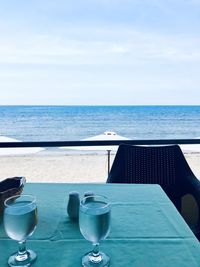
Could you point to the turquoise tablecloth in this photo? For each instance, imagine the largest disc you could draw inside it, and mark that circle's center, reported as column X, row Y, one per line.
column 146, row 229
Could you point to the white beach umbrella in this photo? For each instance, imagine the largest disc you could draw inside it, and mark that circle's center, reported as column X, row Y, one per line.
column 16, row 150
column 106, row 136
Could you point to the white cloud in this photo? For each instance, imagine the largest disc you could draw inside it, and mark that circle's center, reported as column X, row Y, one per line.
column 119, row 46
column 133, row 46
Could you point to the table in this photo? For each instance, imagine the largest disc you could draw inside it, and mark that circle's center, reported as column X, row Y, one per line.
column 146, row 229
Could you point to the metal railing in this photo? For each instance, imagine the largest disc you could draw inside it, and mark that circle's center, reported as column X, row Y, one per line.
column 99, row 143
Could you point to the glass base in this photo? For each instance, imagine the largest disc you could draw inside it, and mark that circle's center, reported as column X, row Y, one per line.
column 89, row 260
column 23, row 260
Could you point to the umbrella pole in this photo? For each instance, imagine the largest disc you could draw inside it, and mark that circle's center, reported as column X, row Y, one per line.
column 108, row 160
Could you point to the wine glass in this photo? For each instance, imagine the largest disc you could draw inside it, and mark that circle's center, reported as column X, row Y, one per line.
column 94, row 222
column 20, row 220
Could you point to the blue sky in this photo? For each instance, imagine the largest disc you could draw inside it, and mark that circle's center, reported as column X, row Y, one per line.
column 105, row 52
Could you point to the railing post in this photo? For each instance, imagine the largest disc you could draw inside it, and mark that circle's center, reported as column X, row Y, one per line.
column 108, row 160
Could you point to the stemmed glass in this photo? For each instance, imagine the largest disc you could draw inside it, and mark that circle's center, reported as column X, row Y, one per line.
column 20, row 220
column 94, row 222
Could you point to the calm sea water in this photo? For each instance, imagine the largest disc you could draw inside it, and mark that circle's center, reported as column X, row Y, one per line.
column 55, row 123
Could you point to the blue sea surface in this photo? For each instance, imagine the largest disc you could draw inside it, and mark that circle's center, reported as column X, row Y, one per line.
column 63, row 123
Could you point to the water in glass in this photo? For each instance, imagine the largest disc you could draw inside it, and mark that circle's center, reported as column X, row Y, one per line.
column 94, row 222
column 20, row 220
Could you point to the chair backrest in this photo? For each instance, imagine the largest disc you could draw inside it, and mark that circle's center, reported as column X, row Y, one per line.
column 164, row 165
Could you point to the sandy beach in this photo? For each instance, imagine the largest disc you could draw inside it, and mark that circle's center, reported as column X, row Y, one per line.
column 56, row 168
column 67, row 168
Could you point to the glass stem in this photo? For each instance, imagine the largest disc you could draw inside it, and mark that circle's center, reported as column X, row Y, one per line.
column 22, row 247
column 22, row 254
column 95, row 250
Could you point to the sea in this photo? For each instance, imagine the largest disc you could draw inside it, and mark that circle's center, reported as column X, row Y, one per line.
column 66, row 123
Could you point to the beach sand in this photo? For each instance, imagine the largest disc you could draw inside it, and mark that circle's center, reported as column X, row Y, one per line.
column 64, row 168
column 56, row 168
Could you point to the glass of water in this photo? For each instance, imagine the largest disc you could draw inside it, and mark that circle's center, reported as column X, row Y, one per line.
column 20, row 220
column 94, row 222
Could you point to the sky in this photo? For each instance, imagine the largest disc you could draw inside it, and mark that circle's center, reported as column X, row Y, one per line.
column 100, row 52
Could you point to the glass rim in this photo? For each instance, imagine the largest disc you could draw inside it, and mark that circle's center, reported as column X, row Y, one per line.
column 17, row 197
column 107, row 204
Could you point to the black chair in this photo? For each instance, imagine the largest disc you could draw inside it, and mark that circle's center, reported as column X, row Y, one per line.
column 163, row 165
